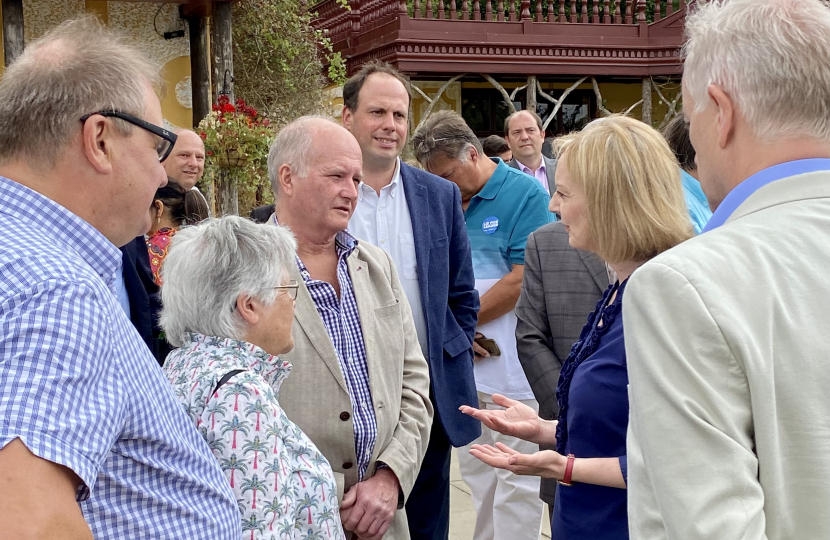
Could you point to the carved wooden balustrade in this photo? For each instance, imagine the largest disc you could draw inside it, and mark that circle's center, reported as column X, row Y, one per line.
column 569, row 37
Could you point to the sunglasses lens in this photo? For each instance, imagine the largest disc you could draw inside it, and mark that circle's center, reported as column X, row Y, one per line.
column 162, row 148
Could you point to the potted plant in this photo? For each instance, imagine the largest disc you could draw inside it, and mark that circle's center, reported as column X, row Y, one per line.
column 237, row 139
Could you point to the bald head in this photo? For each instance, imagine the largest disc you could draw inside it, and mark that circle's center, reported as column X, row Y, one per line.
column 315, row 166
column 186, row 163
column 73, row 70
column 301, row 143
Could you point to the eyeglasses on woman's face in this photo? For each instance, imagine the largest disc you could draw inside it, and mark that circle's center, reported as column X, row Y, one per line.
column 166, row 139
column 290, row 289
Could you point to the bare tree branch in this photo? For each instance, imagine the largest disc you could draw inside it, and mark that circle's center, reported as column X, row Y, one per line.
column 426, row 97
column 436, row 99
column 544, row 94
column 672, row 106
column 561, row 101
column 501, row 89
column 628, row 110
column 600, row 106
column 531, row 93
column 516, row 91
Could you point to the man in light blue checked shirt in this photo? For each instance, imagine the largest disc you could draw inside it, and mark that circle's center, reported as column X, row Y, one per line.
column 93, row 443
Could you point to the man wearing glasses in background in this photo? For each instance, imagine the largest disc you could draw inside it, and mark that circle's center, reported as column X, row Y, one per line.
column 93, row 442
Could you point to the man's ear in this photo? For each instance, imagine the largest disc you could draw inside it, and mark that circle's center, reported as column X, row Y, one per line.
column 286, row 178
column 726, row 114
column 474, row 155
column 246, row 309
column 97, row 138
column 346, row 118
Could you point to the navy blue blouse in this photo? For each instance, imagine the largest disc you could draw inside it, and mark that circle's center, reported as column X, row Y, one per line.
column 593, row 419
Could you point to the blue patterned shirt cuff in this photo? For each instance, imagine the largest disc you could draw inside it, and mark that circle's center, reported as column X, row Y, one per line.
column 624, row 468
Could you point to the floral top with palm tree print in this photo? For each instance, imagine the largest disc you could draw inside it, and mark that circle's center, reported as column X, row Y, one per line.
column 284, row 486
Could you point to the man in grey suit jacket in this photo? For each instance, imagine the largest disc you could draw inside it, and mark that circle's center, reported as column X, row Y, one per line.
column 359, row 387
column 726, row 334
column 561, row 286
column 525, row 137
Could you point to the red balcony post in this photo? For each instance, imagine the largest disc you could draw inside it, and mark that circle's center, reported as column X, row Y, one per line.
column 562, row 11
column 501, row 10
column 629, row 18
column 488, row 10
column 606, row 13
column 512, row 11
column 573, row 11
column 354, row 16
column 669, row 7
column 525, row 10
column 465, row 10
column 441, row 13
column 539, row 11
column 584, row 15
column 429, row 9
column 453, row 11
column 641, row 11
column 477, row 10
column 657, row 15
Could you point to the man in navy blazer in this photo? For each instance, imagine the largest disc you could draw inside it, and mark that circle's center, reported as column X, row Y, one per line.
column 417, row 218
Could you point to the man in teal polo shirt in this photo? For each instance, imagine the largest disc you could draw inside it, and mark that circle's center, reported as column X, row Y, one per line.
column 502, row 206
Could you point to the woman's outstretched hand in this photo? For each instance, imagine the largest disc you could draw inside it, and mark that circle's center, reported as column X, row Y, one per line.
column 516, row 420
column 547, row 463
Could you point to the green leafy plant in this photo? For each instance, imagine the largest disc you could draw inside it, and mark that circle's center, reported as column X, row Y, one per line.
column 279, row 58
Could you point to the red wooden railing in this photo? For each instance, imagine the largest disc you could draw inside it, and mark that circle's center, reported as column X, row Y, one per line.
column 372, row 25
column 368, row 14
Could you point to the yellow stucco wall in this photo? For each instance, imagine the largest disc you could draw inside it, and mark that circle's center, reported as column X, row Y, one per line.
column 135, row 19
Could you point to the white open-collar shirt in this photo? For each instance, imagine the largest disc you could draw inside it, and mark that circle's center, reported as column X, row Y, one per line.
column 383, row 219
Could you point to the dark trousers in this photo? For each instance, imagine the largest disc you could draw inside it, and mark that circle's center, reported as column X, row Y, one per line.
column 428, row 506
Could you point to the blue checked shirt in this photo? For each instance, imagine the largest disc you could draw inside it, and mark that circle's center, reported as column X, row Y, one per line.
column 342, row 323
column 79, row 388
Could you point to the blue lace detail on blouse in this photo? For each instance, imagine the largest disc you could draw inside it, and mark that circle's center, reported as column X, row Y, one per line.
column 587, row 344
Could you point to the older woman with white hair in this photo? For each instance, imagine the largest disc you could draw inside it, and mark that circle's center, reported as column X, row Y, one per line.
column 229, row 307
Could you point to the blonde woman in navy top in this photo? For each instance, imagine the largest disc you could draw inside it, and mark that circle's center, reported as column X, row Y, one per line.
column 619, row 196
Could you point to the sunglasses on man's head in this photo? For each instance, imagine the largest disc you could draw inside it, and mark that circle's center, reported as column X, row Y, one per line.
column 166, row 141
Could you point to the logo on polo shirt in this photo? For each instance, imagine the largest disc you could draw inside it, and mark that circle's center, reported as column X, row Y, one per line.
column 490, row 224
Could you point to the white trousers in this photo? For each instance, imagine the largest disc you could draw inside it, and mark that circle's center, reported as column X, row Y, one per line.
column 507, row 505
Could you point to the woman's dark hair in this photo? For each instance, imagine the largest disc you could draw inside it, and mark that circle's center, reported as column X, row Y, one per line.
column 677, row 135
column 186, row 206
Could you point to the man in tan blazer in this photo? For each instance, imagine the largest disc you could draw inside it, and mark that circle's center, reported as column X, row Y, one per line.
column 727, row 334
column 359, row 386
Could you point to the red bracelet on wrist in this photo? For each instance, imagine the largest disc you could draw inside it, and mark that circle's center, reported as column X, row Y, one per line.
column 569, row 469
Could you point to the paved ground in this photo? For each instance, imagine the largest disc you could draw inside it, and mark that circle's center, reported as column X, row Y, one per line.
column 462, row 515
